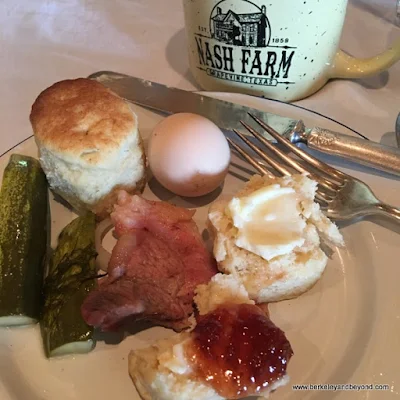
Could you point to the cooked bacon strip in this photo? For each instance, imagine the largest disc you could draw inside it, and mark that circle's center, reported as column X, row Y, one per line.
column 154, row 268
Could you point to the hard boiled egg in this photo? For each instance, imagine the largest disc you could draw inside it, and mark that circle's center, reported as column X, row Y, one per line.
column 188, row 154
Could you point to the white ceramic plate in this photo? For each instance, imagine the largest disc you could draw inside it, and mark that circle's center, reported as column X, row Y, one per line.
column 345, row 330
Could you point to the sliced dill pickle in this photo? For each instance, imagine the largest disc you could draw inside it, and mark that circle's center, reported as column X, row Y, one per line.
column 71, row 276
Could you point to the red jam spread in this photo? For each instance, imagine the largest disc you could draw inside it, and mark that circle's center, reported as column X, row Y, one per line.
column 238, row 350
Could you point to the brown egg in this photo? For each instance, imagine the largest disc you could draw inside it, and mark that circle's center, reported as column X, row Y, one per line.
column 188, row 154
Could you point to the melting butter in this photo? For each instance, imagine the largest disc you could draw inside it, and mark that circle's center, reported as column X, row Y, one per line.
column 268, row 220
column 175, row 359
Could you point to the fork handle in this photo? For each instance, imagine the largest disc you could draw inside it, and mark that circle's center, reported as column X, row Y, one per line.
column 365, row 152
column 385, row 210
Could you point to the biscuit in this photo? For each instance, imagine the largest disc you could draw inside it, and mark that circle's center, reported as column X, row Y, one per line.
column 89, row 144
column 285, row 276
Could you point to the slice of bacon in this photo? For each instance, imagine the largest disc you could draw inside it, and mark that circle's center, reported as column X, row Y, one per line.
column 154, row 268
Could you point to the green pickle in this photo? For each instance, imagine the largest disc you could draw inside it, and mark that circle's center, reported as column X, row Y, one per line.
column 71, row 276
column 23, row 240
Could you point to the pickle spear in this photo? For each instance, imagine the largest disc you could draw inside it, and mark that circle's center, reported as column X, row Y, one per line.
column 23, row 240
column 71, row 276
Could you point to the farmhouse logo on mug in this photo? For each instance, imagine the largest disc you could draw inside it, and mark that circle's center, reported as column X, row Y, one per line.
column 280, row 49
column 238, row 46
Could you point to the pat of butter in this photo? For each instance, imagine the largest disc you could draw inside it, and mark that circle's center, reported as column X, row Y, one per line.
column 268, row 220
column 175, row 360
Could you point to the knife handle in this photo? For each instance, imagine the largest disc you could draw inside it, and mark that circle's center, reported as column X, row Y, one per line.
column 365, row 152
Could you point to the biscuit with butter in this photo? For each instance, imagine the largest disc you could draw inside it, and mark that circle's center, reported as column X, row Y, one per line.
column 89, row 144
column 268, row 237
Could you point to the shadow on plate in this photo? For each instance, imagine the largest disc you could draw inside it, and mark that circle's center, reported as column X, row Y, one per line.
column 131, row 328
column 385, row 223
column 16, row 387
column 389, row 139
column 58, row 199
column 243, row 173
column 188, row 202
column 378, row 220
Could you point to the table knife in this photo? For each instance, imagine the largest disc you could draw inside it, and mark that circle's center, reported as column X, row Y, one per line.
column 228, row 115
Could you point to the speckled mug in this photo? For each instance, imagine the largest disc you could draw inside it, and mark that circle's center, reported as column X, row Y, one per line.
column 280, row 49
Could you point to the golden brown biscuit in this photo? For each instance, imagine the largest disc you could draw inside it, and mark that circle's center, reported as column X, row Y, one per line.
column 89, row 143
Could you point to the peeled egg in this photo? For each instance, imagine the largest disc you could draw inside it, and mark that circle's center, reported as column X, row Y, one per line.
column 188, row 154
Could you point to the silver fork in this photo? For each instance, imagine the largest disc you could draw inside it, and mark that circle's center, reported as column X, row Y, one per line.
column 341, row 196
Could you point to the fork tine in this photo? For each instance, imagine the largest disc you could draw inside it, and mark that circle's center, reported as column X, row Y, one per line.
column 330, row 186
column 322, row 198
column 249, row 159
column 323, row 205
column 317, row 164
column 280, row 168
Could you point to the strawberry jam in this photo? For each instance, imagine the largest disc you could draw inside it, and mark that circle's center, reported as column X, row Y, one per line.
column 238, row 350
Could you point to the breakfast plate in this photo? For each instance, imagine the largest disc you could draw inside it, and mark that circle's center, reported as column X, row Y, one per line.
column 343, row 331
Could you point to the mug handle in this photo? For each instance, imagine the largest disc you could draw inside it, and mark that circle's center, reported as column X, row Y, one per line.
column 346, row 66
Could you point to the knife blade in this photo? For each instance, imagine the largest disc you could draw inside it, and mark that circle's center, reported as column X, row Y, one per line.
column 228, row 115
column 171, row 100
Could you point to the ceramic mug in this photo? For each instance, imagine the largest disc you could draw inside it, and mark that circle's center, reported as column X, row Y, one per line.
column 280, row 49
